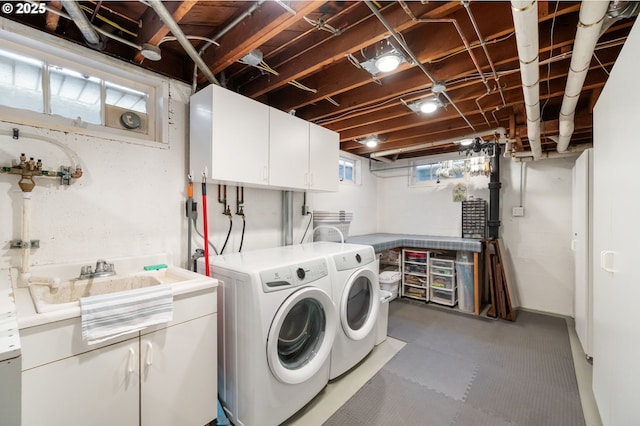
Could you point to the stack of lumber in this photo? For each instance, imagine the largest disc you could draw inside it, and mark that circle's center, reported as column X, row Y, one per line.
column 498, row 281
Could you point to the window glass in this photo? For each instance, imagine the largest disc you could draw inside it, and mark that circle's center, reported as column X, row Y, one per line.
column 75, row 95
column 346, row 170
column 126, row 98
column 20, row 82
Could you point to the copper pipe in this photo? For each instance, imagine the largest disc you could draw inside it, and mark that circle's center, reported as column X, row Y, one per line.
column 51, row 19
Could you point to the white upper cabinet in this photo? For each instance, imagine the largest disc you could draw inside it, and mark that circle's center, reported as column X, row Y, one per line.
column 288, row 150
column 243, row 142
column 324, row 148
column 229, row 136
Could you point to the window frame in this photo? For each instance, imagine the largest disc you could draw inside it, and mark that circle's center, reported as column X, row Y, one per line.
column 59, row 53
column 357, row 169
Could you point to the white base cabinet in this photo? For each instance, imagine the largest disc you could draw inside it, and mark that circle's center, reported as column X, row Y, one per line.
column 164, row 375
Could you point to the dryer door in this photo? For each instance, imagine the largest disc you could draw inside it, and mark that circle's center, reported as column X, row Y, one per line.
column 301, row 335
column 359, row 304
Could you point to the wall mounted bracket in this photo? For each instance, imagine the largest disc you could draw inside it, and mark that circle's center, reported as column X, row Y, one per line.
column 19, row 244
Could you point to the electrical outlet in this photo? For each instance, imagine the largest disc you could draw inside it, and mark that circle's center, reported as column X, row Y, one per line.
column 517, row 212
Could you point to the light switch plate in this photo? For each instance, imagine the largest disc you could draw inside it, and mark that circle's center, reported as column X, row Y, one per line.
column 517, row 212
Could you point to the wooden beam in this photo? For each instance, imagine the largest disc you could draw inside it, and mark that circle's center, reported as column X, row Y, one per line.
column 262, row 25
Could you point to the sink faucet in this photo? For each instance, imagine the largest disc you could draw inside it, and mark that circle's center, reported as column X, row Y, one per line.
column 103, row 269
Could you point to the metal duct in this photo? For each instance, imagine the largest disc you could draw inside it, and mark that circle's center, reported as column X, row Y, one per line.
column 168, row 20
column 592, row 15
column 82, row 22
column 525, row 20
column 287, row 218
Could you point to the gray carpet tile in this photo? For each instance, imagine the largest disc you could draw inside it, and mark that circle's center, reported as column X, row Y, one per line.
column 524, row 401
column 388, row 399
column 471, row 416
column 438, row 371
column 485, row 372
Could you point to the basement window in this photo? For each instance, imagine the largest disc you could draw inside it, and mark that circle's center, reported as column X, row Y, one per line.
column 349, row 170
column 434, row 172
column 38, row 87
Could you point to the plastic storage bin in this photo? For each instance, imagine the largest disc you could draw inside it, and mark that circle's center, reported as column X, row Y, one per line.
column 389, row 281
column 464, row 275
column 383, row 316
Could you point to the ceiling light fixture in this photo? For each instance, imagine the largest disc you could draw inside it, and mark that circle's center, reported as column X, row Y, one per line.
column 151, row 52
column 426, row 106
column 466, row 142
column 388, row 62
column 369, row 141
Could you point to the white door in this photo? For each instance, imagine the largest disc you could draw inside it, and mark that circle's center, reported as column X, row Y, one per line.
column 580, row 243
column 98, row 388
column 359, row 304
column 301, row 335
column 178, row 374
column 616, row 370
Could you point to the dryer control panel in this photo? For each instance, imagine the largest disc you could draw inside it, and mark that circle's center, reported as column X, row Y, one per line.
column 293, row 275
column 354, row 259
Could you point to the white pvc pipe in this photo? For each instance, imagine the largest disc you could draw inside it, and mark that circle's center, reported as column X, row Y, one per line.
column 592, row 15
column 525, row 20
column 26, row 238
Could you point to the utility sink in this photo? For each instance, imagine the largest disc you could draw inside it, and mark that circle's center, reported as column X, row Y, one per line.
column 66, row 294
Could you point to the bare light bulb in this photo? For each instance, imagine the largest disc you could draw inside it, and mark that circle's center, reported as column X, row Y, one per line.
column 387, row 62
column 428, row 107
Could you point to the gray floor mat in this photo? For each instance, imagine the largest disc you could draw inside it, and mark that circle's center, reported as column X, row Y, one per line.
column 438, row 371
column 461, row 370
column 391, row 400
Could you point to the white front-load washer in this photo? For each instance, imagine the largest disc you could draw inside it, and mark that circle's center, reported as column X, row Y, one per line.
column 356, row 294
column 276, row 328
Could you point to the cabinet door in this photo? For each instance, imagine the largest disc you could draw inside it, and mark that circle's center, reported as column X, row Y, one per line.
column 179, row 374
column 98, row 388
column 324, row 148
column 229, row 136
column 288, row 150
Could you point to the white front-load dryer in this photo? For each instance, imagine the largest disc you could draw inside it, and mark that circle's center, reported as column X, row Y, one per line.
column 356, row 294
column 276, row 328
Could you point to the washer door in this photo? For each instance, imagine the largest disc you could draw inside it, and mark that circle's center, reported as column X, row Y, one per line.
column 359, row 304
column 301, row 335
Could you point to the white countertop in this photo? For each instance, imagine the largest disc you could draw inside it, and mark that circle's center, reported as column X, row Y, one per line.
column 27, row 316
column 9, row 336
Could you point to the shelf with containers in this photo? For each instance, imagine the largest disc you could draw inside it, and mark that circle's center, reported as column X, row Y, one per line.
column 415, row 274
column 442, row 281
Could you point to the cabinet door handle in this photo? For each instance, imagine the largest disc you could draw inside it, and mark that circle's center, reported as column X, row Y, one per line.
column 603, row 260
column 310, row 179
column 132, row 361
column 149, row 360
column 265, row 173
column 306, row 179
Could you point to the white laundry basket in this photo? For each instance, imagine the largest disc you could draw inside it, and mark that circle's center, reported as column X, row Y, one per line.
column 389, row 281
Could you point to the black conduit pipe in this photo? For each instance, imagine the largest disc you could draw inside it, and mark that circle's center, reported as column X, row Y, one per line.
column 494, row 194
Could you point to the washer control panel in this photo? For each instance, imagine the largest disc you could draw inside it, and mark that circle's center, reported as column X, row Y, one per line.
column 354, row 259
column 293, row 275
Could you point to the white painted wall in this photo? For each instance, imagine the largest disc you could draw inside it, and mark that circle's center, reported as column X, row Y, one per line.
column 538, row 245
column 428, row 209
column 361, row 199
column 128, row 202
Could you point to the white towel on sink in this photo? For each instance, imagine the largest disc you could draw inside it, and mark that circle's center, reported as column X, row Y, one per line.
column 107, row 316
